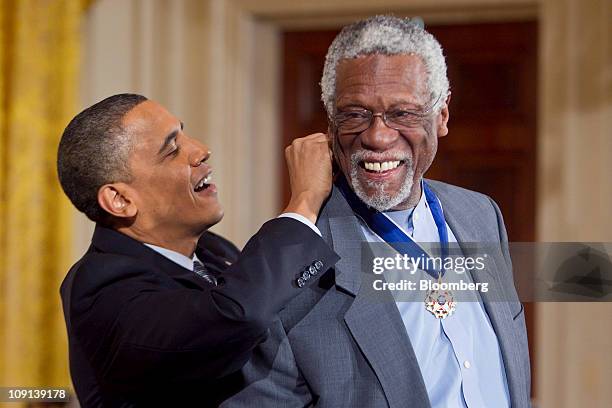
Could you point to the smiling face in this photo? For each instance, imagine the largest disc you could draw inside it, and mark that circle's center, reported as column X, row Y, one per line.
column 383, row 165
column 170, row 187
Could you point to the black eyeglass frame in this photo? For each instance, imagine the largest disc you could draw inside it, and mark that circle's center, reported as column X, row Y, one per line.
column 413, row 119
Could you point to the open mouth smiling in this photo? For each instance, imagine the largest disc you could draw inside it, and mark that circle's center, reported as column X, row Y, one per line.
column 380, row 167
column 204, row 183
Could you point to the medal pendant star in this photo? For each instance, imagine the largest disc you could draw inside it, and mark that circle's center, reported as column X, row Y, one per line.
column 440, row 303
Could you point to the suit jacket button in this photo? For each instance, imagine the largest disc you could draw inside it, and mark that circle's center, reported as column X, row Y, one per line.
column 318, row 265
column 313, row 270
column 305, row 275
column 300, row 282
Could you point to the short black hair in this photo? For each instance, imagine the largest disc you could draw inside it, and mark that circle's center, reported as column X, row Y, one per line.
column 94, row 151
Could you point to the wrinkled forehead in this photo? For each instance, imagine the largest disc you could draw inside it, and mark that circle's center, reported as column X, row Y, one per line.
column 381, row 63
column 395, row 78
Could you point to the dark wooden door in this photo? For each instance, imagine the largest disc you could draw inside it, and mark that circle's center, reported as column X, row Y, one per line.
column 491, row 146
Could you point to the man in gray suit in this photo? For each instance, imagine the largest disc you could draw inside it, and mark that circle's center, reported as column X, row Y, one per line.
column 349, row 341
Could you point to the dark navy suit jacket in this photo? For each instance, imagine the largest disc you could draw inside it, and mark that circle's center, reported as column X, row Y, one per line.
column 144, row 331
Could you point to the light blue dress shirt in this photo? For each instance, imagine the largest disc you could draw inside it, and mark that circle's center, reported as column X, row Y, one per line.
column 175, row 257
column 459, row 357
column 302, row 219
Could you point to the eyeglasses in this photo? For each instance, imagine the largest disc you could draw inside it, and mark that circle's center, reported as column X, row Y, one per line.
column 359, row 120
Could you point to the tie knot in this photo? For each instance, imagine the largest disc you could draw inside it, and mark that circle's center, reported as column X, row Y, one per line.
column 200, row 270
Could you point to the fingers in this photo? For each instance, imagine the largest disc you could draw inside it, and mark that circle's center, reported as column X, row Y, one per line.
column 310, row 173
column 315, row 139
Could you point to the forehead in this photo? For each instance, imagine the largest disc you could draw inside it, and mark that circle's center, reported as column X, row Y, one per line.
column 381, row 78
column 149, row 122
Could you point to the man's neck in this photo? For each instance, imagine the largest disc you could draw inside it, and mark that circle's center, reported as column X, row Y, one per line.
column 412, row 200
column 184, row 245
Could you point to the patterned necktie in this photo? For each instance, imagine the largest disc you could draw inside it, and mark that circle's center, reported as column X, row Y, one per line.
column 200, row 269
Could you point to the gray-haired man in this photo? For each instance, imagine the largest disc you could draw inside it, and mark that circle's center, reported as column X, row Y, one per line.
column 386, row 93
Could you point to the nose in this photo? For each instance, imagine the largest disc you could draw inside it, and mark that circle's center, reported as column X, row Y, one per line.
column 378, row 137
column 198, row 153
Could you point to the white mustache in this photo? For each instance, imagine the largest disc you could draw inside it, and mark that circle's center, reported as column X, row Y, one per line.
column 364, row 155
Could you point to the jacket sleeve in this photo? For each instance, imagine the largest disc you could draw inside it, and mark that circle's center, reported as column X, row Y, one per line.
column 136, row 328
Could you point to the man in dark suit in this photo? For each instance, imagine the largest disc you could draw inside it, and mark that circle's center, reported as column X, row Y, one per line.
column 159, row 311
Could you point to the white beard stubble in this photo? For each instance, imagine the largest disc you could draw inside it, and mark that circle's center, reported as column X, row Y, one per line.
column 381, row 199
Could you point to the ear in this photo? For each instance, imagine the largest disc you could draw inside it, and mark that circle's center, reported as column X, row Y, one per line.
column 335, row 148
column 332, row 147
column 116, row 200
column 443, row 118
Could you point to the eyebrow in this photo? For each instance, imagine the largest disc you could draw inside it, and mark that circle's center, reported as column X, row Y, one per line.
column 168, row 140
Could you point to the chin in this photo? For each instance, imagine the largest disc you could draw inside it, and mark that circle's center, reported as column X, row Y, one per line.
column 214, row 218
column 207, row 219
column 219, row 216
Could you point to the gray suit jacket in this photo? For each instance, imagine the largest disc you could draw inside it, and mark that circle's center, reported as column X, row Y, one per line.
column 337, row 346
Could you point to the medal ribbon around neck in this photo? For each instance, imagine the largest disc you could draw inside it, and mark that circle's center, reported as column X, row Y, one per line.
column 439, row 302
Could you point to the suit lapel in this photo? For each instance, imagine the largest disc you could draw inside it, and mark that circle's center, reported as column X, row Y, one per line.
column 498, row 310
column 373, row 318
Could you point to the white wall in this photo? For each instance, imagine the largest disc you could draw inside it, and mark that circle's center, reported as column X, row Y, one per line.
column 212, row 67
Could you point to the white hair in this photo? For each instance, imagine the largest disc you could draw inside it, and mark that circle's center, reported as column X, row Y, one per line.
column 386, row 35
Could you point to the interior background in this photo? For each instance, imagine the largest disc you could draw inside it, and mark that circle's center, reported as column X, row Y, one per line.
column 217, row 64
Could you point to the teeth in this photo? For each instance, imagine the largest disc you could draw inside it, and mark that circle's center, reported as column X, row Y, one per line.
column 205, row 180
column 380, row 167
